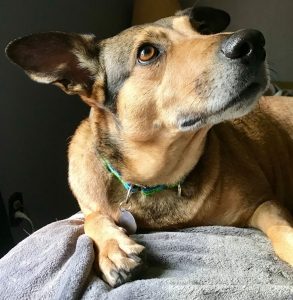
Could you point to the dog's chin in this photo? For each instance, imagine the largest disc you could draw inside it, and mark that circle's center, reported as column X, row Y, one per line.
column 236, row 107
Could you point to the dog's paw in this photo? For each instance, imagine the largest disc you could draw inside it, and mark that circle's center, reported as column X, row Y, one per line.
column 282, row 241
column 119, row 260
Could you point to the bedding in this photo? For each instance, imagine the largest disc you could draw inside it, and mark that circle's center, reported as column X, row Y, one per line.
column 212, row 262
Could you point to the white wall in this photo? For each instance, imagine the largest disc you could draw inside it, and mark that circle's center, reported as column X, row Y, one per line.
column 273, row 17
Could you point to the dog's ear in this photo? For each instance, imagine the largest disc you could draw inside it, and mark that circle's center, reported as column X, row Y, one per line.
column 206, row 20
column 68, row 60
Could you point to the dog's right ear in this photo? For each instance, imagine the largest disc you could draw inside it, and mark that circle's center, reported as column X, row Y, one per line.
column 206, row 20
column 68, row 60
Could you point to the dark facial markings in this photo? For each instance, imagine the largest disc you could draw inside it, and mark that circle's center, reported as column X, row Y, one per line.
column 120, row 57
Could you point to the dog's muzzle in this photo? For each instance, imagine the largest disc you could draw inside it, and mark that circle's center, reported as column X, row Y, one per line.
column 238, row 81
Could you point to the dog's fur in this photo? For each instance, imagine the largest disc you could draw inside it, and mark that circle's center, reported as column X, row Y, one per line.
column 166, row 122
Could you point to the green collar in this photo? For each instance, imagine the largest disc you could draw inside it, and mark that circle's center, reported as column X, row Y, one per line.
column 133, row 188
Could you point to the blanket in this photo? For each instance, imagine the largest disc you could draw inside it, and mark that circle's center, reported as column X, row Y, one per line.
column 196, row 263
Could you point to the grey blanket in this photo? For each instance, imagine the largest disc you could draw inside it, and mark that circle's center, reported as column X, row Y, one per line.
column 198, row 263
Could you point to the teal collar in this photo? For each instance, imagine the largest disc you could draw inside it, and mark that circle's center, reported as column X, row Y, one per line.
column 133, row 188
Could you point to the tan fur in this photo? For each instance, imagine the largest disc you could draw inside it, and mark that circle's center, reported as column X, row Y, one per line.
column 276, row 223
column 183, row 26
column 116, row 250
column 227, row 193
column 237, row 172
column 147, row 114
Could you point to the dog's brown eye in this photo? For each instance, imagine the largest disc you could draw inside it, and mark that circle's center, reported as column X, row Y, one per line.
column 147, row 53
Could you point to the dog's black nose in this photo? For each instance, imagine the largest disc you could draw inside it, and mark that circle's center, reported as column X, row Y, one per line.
column 245, row 45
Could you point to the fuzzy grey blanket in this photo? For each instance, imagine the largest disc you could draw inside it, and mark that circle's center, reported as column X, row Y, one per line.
column 198, row 263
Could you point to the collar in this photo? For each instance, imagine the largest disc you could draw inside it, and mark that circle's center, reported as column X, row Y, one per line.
column 133, row 188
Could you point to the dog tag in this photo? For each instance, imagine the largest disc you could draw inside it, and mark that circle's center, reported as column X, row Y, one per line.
column 127, row 221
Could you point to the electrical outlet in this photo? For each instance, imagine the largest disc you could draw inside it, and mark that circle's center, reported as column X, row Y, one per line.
column 15, row 203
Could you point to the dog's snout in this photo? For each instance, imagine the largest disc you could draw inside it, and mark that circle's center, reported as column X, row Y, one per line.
column 245, row 45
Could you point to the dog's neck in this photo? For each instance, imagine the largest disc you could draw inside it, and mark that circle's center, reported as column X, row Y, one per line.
column 164, row 157
column 164, row 160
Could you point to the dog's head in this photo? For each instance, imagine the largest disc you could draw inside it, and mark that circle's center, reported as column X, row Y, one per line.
column 179, row 73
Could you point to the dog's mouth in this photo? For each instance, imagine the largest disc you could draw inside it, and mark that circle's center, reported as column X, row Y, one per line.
column 245, row 98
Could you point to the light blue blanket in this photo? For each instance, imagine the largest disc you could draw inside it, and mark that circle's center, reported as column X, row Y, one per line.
column 197, row 263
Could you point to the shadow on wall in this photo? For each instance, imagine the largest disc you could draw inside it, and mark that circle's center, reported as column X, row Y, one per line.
column 37, row 120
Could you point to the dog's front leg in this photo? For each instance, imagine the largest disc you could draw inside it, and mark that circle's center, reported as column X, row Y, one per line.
column 276, row 222
column 117, row 255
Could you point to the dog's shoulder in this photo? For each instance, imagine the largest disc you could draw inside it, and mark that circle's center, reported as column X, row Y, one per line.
column 279, row 108
column 82, row 138
column 270, row 112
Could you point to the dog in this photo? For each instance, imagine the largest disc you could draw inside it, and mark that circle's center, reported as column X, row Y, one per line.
column 178, row 133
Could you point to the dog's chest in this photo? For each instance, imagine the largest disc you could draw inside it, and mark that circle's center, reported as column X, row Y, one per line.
column 166, row 210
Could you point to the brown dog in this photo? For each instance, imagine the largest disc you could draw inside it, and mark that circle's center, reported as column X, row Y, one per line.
column 161, row 98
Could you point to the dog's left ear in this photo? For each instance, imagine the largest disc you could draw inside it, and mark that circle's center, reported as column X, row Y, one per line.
column 206, row 20
column 68, row 60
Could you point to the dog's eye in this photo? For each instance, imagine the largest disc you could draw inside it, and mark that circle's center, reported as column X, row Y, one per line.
column 147, row 53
